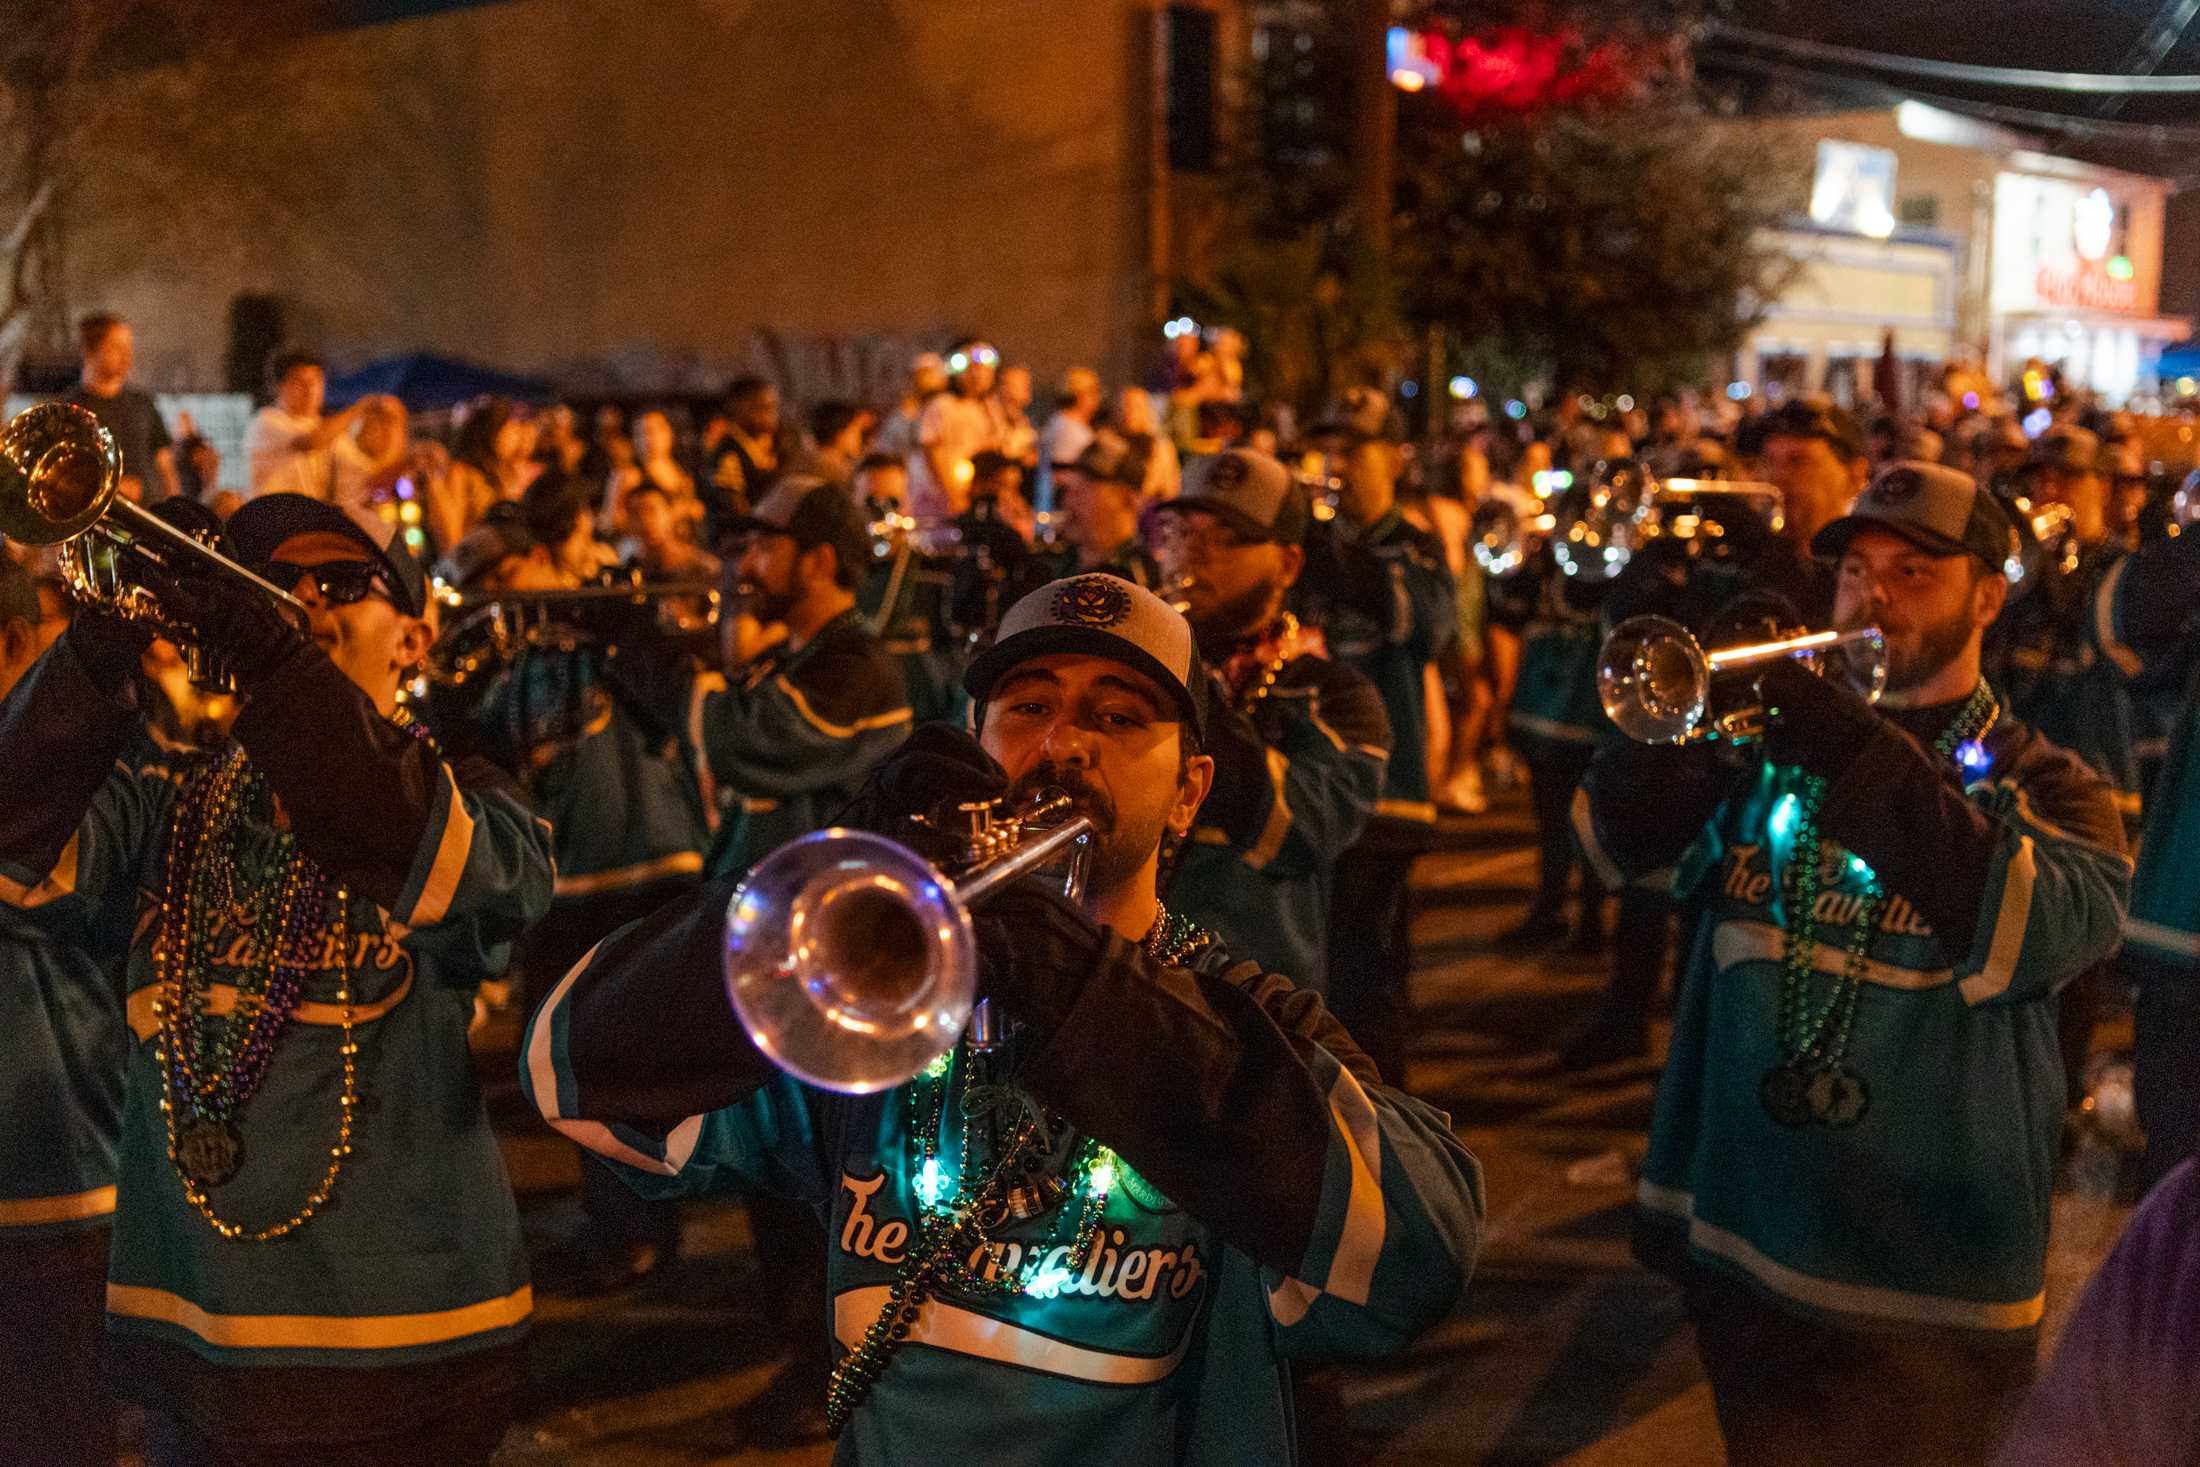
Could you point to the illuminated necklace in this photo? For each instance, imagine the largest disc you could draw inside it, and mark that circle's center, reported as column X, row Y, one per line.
column 956, row 1218
column 210, row 1071
column 1812, row 1081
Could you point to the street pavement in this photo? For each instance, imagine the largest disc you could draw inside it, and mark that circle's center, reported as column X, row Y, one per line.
column 1565, row 1352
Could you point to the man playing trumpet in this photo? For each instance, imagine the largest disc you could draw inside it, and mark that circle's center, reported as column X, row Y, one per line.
column 316, row 1253
column 1855, row 1134
column 1183, row 1174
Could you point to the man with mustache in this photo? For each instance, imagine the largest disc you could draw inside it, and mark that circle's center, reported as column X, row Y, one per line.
column 1855, row 1134
column 1300, row 742
column 1201, row 1175
column 812, row 699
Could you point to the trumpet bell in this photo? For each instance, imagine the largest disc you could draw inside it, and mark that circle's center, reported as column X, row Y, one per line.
column 1653, row 680
column 850, row 960
column 58, row 469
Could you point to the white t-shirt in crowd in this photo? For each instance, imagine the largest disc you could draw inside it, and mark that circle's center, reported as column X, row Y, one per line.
column 1060, row 442
column 961, row 428
column 349, row 471
column 275, row 465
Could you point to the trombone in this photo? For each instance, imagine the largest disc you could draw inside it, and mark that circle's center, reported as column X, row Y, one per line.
column 60, row 473
column 1658, row 684
column 850, row 959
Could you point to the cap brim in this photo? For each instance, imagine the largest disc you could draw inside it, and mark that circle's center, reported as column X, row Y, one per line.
column 749, row 524
column 259, row 528
column 1833, row 541
column 1237, row 519
column 988, row 666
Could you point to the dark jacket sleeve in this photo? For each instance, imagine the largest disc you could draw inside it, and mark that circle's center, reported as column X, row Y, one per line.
column 60, row 736
column 378, row 809
column 1642, row 805
column 640, row 1034
column 1296, row 781
column 1241, row 1098
column 2024, row 878
column 2148, row 602
column 816, row 727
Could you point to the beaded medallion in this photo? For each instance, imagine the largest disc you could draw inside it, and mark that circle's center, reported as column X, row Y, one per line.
column 212, row 1065
column 1812, row 1083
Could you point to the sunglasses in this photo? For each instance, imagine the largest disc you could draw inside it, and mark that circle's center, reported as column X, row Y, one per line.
column 340, row 582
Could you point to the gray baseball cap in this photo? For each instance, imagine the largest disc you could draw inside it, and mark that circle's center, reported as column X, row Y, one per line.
column 1934, row 507
column 1111, row 459
column 811, row 512
column 1250, row 490
column 1101, row 616
column 2067, row 446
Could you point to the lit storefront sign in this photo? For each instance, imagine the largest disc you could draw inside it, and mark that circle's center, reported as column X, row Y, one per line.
column 2061, row 245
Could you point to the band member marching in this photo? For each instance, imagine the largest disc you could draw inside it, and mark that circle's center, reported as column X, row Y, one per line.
column 1197, row 1174
column 61, row 1070
column 316, row 1251
column 1299, row 741
column 813, row 699
column 1855, row 1134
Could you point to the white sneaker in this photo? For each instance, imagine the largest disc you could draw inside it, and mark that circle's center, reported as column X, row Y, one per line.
column 1463, row 792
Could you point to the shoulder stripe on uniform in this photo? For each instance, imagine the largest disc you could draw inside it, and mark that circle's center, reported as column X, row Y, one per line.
column 839, row 730
column 449, row 865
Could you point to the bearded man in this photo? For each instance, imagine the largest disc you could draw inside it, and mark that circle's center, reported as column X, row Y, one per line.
column 1855, row 1133
column 1180, row 1173
column 1300, row 742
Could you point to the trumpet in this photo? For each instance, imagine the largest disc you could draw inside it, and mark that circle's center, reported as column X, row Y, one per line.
column 850, row 959
column 487, row 629
column 60, row 473
column 1658, row 684
column 1676, row 508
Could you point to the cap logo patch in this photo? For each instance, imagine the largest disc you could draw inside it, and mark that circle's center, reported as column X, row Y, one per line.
column 1898, row 488
column 1229, row 473
column 1092, row 601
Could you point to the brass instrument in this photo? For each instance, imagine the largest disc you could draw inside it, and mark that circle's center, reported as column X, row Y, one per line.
column 2046, row 543
column 1594, row 530
column 1675, row 508
column 2184, row 505
column 893, row 542
column 486, row 630
column 1502, row 539
column 60, row 473
column 850, row 959
column 1659, row 686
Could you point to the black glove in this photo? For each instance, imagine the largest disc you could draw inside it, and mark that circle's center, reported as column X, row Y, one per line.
column 937, row 768
column 1035, row 950
column 110, row 646
column 241, row 625
column 1813, row 723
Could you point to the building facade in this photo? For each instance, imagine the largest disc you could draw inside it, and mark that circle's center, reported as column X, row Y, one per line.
column 1963, row 242
column 654, row 196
